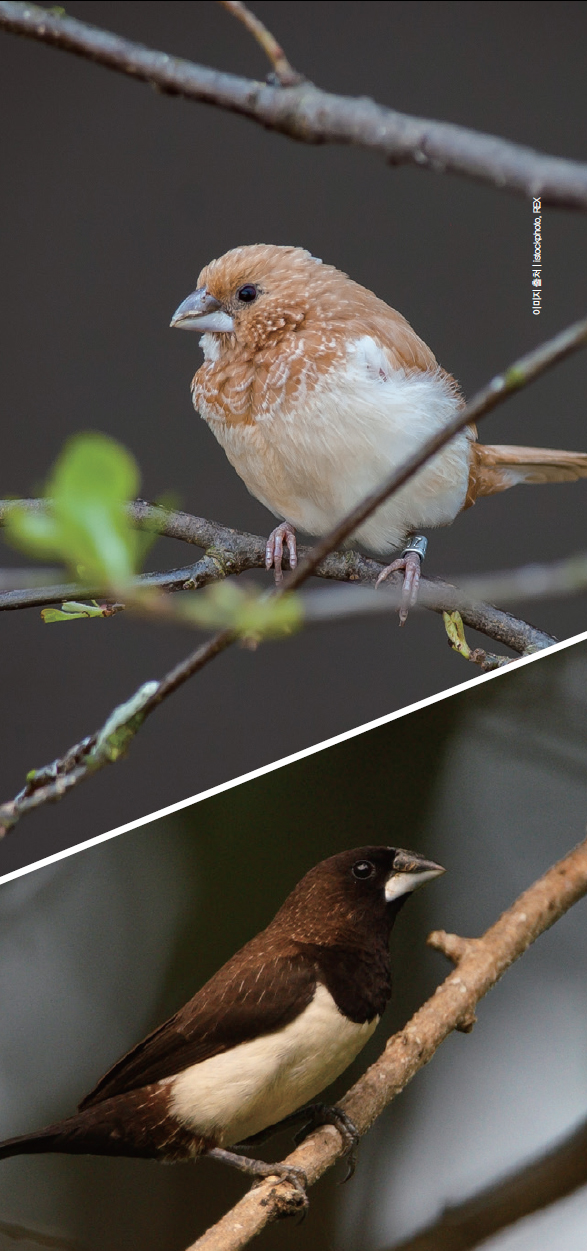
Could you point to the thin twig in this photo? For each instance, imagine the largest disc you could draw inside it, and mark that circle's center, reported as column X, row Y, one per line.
column 544, row 1180
column 484, row 960
column 285, row 74
column 310, row 115
column 111, row 742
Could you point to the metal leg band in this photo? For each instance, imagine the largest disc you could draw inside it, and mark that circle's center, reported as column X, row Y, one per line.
column 417, row 544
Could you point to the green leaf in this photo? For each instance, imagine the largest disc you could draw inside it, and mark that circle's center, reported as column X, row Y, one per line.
column 70, row 610
column 227, row 606
column 85, row 523
column 453, row 624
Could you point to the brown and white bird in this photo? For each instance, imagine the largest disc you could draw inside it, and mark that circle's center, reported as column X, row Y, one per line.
column 317, row 390
column 275, row 1026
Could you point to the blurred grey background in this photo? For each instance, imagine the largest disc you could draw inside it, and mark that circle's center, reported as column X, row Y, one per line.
column 113, row 197
column 101, row 947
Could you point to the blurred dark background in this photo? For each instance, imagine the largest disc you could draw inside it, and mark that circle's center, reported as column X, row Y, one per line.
column 112, row 199
column 101, row 947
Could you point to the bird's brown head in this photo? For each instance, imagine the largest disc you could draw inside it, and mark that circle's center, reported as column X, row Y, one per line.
column 260, row 293
column 355, row 896
column 264, row 298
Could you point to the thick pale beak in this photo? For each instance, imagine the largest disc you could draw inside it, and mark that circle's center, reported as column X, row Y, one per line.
column 409, row 872
column 201, row 311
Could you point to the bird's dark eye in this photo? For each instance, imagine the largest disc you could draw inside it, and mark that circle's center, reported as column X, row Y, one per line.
column 363, row 869
column 247, row 293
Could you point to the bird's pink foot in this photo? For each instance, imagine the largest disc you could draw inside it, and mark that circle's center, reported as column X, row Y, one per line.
column 410, row 562
column 274, row 549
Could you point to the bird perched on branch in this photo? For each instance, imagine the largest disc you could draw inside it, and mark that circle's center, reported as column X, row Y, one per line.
column 275, row 1026
column 317, row 390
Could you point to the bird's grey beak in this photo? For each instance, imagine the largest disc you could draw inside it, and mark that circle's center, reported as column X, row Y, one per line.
column 409, row 872
column 202, row 311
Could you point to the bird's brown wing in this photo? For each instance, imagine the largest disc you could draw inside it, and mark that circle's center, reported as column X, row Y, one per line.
column 403, row 347
column 496, row 468
column 248, row 996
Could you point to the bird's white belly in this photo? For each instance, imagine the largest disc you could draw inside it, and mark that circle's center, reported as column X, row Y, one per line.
column 314, row 460
column 236, row 1094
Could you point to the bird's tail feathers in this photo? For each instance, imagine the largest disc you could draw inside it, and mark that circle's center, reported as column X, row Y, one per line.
column 81, row 1134
column 125, row 1126
column 496, row 467
column 29, row 1144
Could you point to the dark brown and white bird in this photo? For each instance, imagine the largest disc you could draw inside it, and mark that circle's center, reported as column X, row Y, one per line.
column 275, row 1026
column 317, row 390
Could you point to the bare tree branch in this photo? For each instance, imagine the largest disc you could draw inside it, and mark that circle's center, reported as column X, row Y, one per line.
column 481, row 962
column 231, row 552
column 543, row 1181
column 310, row 115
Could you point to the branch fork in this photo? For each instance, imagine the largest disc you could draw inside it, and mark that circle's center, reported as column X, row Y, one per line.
column 456, row 949
column 452, row 946
column 291, row 106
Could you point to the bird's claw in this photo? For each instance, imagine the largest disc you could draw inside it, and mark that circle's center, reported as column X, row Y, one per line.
column 323, row 1114
column 260, row 1170
column 411, row 566
column 410, row 562
column 274, row 549
column 289, row 1173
